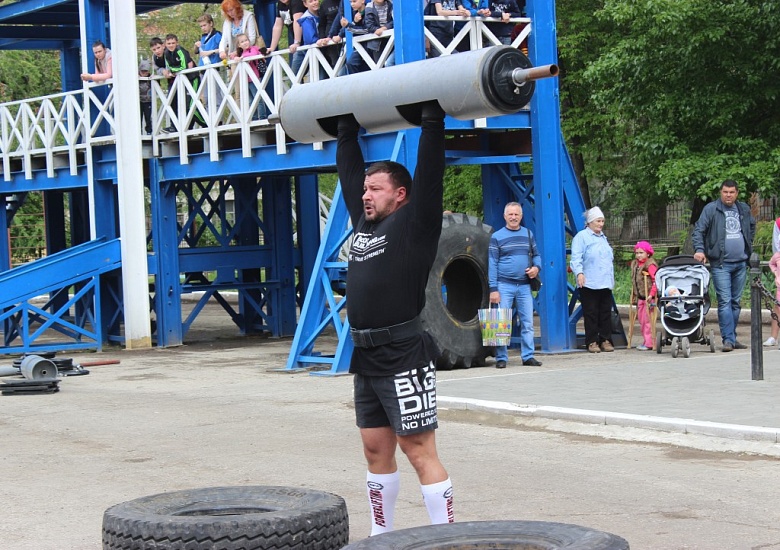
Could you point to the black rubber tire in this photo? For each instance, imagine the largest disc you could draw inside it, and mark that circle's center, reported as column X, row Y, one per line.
column 229, row 518
column 461, row 266
column 475, row 535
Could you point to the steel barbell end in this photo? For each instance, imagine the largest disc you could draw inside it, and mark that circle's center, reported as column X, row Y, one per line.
column 521, row 76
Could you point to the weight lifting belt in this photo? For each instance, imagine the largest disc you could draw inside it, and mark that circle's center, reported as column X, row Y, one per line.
column 373, row 337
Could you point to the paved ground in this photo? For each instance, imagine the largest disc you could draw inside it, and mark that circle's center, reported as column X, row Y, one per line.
column 519, row 443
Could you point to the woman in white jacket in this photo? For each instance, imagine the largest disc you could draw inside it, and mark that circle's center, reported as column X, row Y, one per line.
column 237, row 21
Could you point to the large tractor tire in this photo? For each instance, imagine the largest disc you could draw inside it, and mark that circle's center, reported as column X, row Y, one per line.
column 457, row 289
column 229, row 518
column 475, row 535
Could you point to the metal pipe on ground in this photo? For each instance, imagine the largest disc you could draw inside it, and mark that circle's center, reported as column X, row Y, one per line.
column 35, row 367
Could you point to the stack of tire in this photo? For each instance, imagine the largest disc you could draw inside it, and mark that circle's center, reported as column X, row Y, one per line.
column 229, row 518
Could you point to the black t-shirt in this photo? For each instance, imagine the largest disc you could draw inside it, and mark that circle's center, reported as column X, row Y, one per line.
column 329, row 11
column 283, row 12
column 390, row 260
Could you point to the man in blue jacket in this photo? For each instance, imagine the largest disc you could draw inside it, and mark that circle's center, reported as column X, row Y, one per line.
column 724, row 237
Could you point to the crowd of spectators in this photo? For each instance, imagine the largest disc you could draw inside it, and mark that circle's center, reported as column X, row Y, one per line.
column 319, row 23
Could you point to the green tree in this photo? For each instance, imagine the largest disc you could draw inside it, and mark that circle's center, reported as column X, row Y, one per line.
column 688, row 90
column 25, row 74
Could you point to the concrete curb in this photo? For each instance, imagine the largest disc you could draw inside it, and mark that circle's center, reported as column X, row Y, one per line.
column 674, row 425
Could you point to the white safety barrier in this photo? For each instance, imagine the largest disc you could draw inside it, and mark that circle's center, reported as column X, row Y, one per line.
column 53, row 131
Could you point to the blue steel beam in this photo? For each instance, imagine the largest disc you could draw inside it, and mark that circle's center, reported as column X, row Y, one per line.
column 35, row 32
column 20, row 44
column 549, row 196
column 307, row 201
column 277, row 215
column 40, row 181
column 26, row 7
column 165, row 265
column 58, row 271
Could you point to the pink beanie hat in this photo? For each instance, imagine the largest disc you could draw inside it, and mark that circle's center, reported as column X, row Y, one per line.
column 646, row 246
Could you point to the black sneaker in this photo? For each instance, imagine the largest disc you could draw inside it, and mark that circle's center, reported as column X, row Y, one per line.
column 501, row 364
column 739, row 345
column 170, row 129
column 532, row 362
column 727, row 346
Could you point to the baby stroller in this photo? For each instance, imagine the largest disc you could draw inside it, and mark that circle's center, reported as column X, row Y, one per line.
column 683, row 302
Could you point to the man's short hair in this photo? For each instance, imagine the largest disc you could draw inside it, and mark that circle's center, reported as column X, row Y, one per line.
column 155, row 41
column 171, row 36
column 205, row 18
column 729, row 183
column 511, row 204
column 98, row 44
column 398, row 174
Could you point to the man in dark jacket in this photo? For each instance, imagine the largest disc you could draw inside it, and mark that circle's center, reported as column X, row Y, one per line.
column 724, row 237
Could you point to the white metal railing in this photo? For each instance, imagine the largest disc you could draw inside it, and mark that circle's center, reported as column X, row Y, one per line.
column 51, row 131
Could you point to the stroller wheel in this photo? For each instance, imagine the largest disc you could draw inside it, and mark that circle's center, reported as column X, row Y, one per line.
column 711, row 338
column 675, row 347
column 686, row 347
column 659, row 342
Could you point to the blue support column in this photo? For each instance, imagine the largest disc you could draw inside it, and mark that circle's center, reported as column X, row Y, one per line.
column 409, row 36
column 5, row 245
column 245, row 203
column 70, row 68
column 495, row 195
column 165, row 266
column 321, row 309
column 95, row 19
column 549, row 197
column 283, row 295
column 307, row 208
column 54, row 221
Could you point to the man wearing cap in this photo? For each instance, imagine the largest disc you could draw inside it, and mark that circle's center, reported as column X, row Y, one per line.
column 723, row 235
column 513, row 261
column 592, row 265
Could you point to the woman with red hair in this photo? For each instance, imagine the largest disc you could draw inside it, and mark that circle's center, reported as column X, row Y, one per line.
column 237, row 21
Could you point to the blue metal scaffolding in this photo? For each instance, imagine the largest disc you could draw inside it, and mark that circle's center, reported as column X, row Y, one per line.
column 234, row 207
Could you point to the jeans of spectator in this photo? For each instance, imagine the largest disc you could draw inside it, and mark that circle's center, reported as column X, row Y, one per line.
column 519, row 298
column 260, row 112
column 355, row 63
column 597, row 314
column 146, row 116
column 297, row 60
column 506, row 40
column 377, row 47
column 729, row 280
column 442, row 34
column 211, row 81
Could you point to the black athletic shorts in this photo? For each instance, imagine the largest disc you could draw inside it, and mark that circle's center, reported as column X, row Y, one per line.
column 406, row 401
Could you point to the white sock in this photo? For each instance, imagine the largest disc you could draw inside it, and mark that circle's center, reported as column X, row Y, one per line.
column 438, row 501
column 382, row 493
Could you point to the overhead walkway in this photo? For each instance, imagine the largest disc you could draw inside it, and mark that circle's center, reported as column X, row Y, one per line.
column 234, row 204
